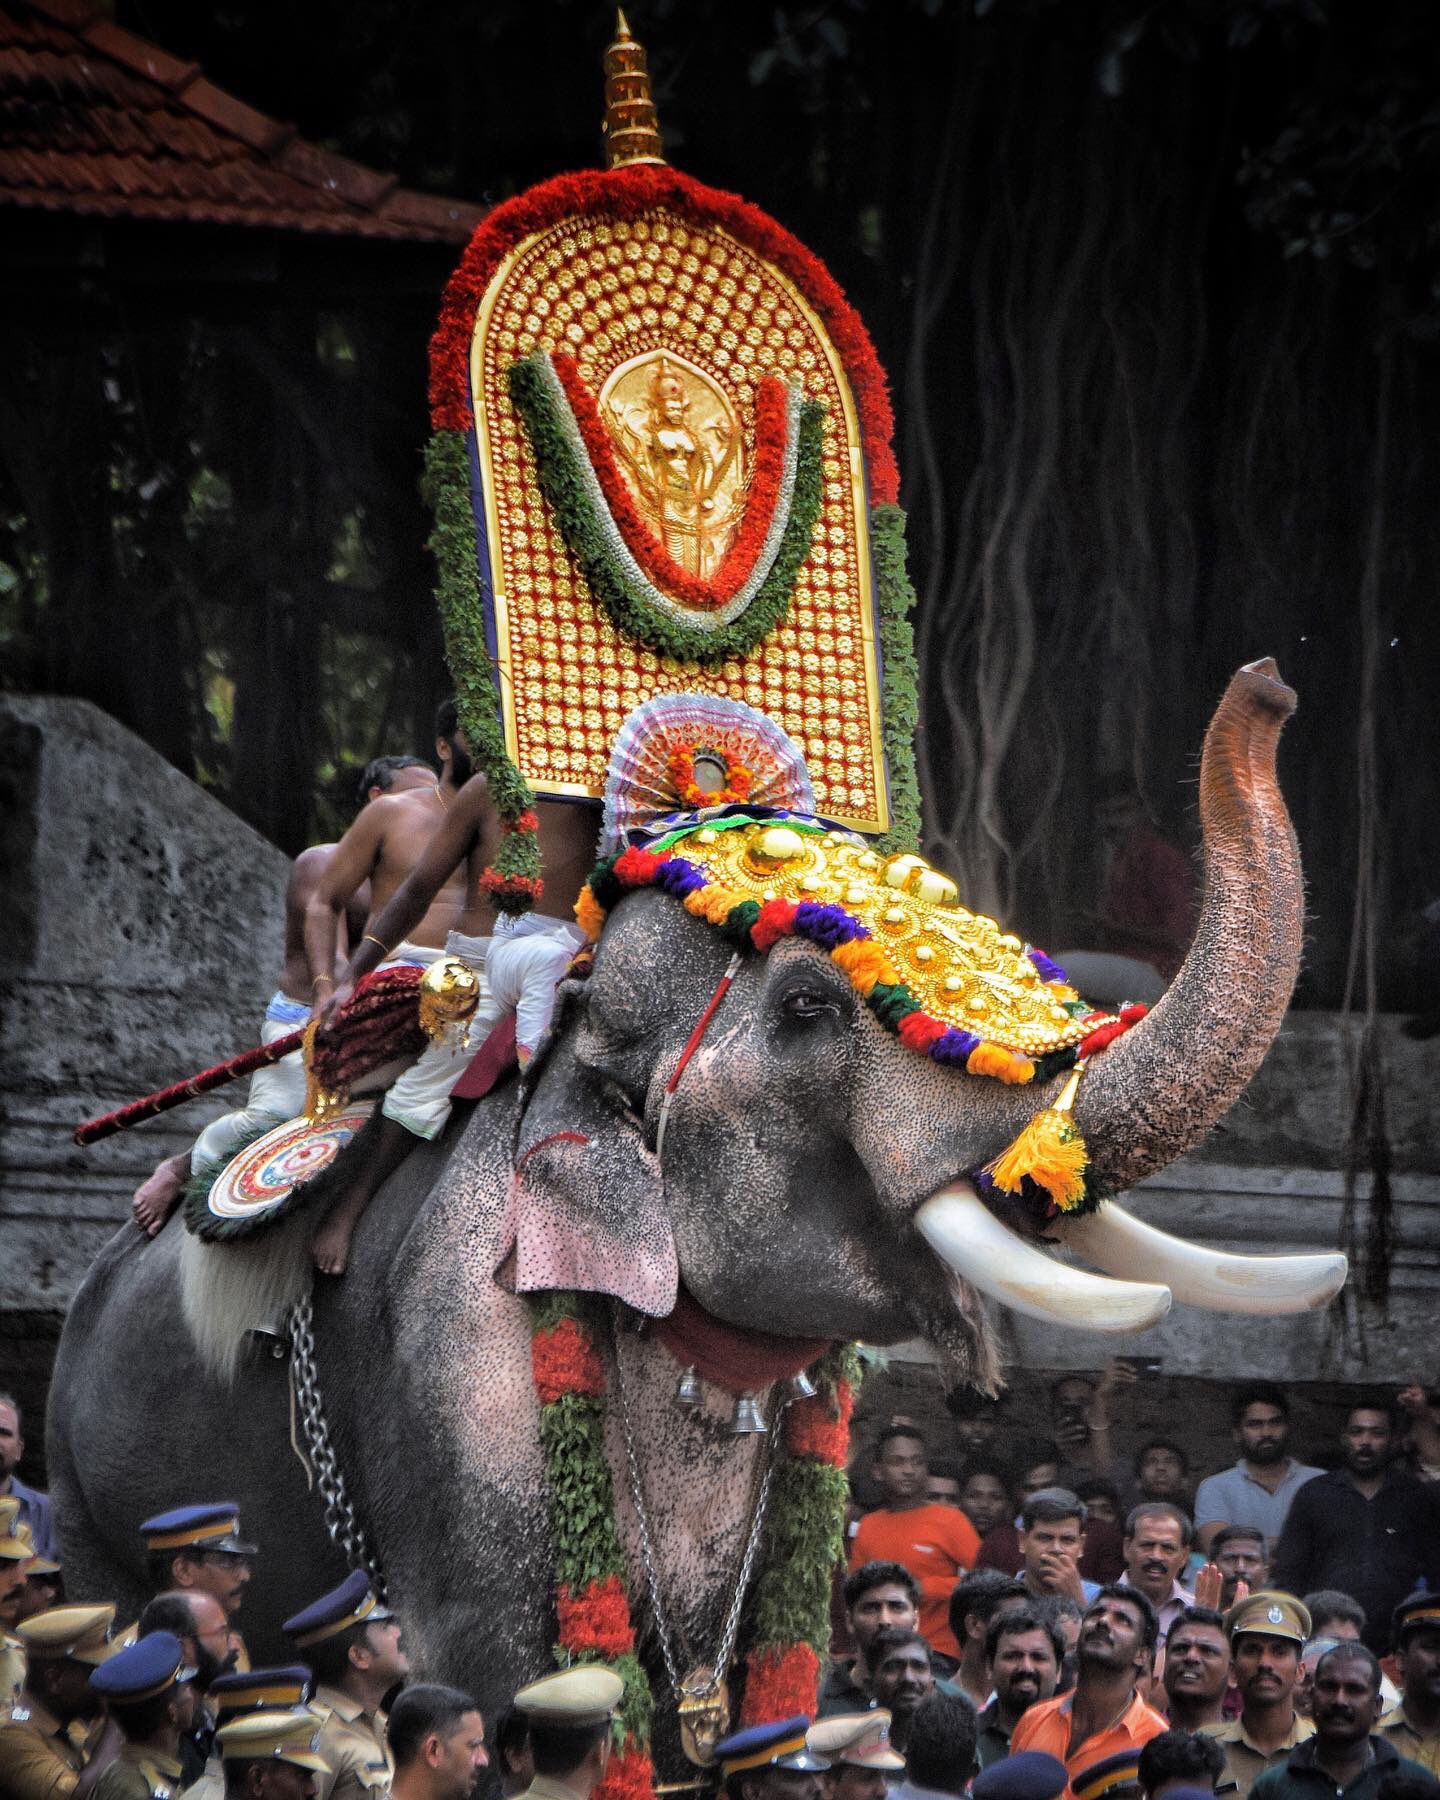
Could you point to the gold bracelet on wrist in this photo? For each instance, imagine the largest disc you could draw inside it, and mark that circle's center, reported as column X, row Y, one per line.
column 318, row 979
column 370, row 938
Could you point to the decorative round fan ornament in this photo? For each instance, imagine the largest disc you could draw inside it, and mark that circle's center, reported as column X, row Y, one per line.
column 689, row 753
column 266, row 1179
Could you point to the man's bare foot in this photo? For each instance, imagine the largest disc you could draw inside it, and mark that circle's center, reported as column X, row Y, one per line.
column 330, row 1245
column 156, row 1198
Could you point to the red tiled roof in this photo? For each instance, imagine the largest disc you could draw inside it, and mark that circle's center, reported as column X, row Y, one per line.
column 95, row 120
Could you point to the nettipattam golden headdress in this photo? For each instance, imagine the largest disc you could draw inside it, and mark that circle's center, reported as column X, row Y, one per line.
column 949, row 982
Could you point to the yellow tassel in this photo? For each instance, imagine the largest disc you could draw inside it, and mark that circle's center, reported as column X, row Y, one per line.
column 1050, row 1151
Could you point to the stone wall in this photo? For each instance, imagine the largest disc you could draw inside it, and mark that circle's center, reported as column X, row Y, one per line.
column 144, row 924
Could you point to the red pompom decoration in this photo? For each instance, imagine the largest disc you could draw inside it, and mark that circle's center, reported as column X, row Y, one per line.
column 777, row 920
column 780, row 1683
column 564, row 1361
column 918, row 1031
column 597, row 1618
column 636, row 868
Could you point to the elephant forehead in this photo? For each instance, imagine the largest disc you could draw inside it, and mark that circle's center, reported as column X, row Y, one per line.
column 893, row 924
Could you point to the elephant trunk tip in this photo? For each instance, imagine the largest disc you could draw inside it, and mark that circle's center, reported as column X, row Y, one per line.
column 1261, row 680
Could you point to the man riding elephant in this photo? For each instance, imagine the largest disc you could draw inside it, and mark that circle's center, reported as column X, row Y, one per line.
column 770, row 1171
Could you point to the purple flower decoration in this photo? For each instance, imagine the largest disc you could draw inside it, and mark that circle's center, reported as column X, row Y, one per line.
column 954, row 1047
column 829, row 926
column 1049, row 970
column 679, row 877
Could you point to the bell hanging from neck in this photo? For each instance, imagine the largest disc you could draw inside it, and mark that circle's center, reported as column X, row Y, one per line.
column 687, row 1392
column 748, row 1420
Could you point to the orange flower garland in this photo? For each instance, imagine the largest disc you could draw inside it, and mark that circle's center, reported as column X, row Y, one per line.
column 681, row 769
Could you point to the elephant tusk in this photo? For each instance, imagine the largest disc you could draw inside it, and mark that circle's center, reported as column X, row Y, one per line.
column 1121, row 1244
column 968, row 1238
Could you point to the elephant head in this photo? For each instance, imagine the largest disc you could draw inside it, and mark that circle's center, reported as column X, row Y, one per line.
column 810, row 1174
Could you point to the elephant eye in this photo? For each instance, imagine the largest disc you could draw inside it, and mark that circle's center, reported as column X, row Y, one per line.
column 807, row 1004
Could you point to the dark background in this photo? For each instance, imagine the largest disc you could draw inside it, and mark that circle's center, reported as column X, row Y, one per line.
column 1157, row 289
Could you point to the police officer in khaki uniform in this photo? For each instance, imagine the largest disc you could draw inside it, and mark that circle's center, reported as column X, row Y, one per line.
column 234, row 1696
column 352, row 1643
column 200, row 1548
column 272, row 1755
column 17, row 1554
column 857, row 1748
column 570, row 1717
column 1267, row 1632
column 149, row 1691
column 38, row 1761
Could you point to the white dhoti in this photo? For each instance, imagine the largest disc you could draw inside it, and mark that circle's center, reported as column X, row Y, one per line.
column 518, row 970
column 277, row 1092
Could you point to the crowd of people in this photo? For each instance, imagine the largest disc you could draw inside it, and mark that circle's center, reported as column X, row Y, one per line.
column 1012, row 1629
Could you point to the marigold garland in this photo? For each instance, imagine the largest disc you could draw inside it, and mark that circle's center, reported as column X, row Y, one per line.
column 681, row 769
column 590, row 531
column 592, row 1614
column 788, row 1611
column 789, row 1605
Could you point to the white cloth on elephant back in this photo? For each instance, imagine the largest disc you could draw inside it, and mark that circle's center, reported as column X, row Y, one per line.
column 518, row 970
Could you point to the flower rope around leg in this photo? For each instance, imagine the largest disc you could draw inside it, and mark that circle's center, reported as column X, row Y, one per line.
column 789, row 1606
column 593, row 1620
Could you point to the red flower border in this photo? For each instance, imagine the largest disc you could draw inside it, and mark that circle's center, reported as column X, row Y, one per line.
column 779, row 1684
column 597, row 1618
column 564, row 1360
column 626, row 193
column 642, row 543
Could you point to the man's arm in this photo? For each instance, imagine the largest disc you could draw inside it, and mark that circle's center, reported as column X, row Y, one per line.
column 351, row 862
column 449, row 845
column 962, row 1541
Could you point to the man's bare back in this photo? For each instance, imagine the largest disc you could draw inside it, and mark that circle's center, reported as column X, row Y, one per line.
column 382, row 848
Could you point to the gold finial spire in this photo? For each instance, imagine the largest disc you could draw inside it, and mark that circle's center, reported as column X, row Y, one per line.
column 632, row 130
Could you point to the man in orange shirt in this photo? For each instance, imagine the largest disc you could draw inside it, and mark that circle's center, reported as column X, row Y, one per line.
column 1104, row 1714
column 937, row 1544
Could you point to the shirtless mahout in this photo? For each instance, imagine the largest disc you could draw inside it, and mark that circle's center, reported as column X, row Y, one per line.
column 277, row 1093
column 518, row 961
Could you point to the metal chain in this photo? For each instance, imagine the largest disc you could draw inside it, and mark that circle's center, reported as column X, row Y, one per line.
column 726, row 1646
column 344, row 1528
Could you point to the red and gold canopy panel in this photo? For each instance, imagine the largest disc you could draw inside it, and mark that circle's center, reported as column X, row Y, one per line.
column 627, row 296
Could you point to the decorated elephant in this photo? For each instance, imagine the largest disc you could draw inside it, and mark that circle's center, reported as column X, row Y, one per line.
column 816, row 1185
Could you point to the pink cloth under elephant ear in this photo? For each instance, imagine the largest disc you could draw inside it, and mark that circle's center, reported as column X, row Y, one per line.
column 575, row 1221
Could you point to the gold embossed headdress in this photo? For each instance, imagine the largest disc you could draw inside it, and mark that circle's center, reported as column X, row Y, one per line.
column 948, row 982
column 662, row 464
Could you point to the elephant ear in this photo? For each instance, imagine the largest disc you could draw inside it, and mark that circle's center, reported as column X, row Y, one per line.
column 586, row 1208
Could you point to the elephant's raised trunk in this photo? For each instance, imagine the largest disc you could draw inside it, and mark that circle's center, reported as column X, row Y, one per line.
column 1157, row 1091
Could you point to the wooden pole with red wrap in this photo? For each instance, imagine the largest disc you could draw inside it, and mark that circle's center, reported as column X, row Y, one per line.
column 379, row 1023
